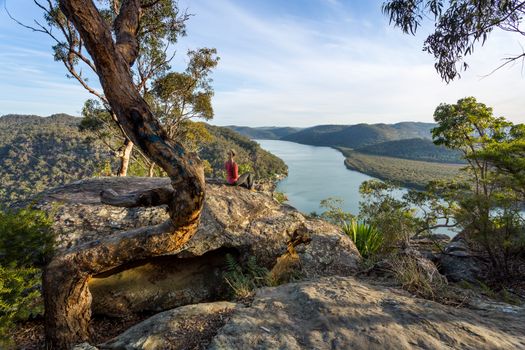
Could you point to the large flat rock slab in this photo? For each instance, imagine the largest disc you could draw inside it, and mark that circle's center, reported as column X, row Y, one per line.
column 345, row 313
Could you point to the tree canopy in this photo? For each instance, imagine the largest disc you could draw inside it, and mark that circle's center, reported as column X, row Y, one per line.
column 460, row 25
column 489, row 200
column 160, row 24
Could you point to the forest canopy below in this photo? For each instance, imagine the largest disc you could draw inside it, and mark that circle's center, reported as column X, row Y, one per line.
column 42, row 152
column 414, row 149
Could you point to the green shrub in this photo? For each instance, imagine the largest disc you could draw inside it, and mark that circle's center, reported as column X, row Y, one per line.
column 368, row 240
column 245, row 168
column 333, row 211
column 26, row 238
column 20, row 299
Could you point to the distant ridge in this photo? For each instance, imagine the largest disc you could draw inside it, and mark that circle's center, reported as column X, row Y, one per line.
column 350, row 136
column 353, row 136
column 264, row 133
column 21, row 119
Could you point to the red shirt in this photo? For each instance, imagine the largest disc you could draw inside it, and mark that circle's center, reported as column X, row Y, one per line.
column 232, row 172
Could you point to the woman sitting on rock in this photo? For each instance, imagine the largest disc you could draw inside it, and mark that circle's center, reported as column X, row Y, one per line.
column 232, row 173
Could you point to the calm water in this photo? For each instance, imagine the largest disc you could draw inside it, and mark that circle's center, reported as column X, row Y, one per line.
column 315, row 173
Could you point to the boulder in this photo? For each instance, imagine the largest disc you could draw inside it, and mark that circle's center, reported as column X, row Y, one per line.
column 234, row 221
column 459, row 262
column 430, row 246
column 346, row 313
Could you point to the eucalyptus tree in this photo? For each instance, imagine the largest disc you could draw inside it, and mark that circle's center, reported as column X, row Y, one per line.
column 113, row 47
column 509, row 157
column 162, row 23
column 488, row 204
column 180, row 96
column 459, row 26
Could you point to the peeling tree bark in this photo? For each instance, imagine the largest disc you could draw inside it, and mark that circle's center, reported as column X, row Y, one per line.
column 67, row 297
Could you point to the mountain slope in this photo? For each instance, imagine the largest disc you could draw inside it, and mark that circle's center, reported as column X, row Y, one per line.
column 37, row 152
column 264, row 133
column 250, row 156
column 353, row 136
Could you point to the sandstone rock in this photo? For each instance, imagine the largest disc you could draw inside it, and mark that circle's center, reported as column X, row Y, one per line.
column 187, row 327
column 345, row 313
column 159, row 284
column 430, row 246
column 234, row 220
column 458, row 262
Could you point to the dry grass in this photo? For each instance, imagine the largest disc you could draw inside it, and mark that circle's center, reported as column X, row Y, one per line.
column 417, row 279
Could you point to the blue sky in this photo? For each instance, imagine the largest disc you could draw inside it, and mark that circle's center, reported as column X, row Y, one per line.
column 293, row 62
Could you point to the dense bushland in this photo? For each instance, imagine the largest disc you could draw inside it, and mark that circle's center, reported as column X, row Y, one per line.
column 26, row 242
column 39, row 153
column 410, row 173
column 415, row 149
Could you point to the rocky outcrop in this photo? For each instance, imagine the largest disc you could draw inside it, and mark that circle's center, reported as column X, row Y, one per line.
column 234, row 220
column 327, row 310
column 329, row 313
column 459, row 262
column 345, row 313
column 430, row 246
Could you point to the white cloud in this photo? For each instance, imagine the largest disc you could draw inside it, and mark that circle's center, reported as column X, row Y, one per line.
column 275, row 70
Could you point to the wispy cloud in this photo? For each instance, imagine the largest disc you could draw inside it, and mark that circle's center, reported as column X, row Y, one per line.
column 278, row 70
column 304, row 63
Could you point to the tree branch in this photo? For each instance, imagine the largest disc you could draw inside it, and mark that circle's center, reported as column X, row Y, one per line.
column 126, row 26
column 150, row 198
column 151, row 4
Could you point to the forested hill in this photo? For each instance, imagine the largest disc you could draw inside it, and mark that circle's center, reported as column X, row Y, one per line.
column 415, row 149
column 37, row 152
column 41, row 152
column 353, row 136
column 264, row 133
column 350, row 136
column 250, row 155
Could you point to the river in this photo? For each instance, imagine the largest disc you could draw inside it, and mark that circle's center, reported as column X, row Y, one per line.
column 315, row 173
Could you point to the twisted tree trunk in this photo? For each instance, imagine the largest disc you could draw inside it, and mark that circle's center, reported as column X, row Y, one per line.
column 67, row 297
